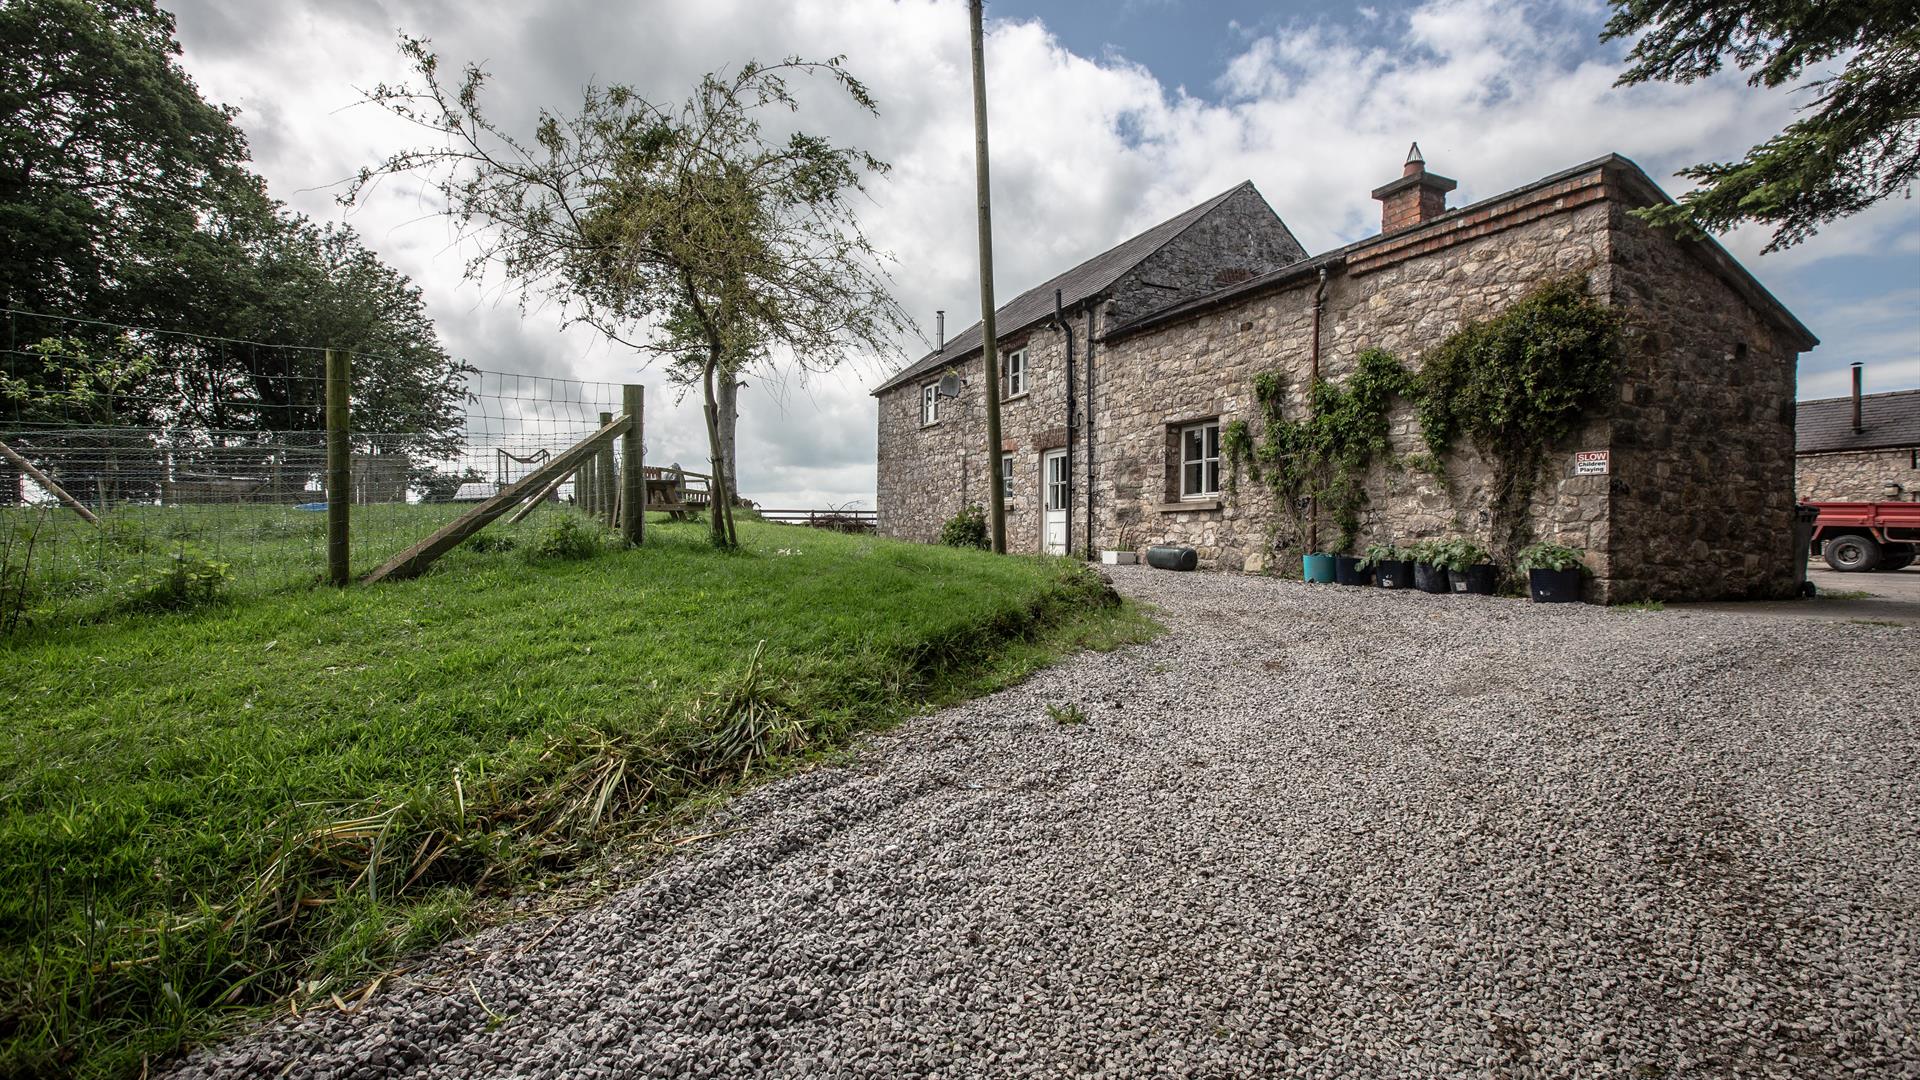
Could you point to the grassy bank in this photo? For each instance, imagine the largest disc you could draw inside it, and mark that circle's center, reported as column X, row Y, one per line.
column 211, row 811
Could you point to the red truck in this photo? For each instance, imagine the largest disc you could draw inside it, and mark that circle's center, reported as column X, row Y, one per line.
column 1862, row 536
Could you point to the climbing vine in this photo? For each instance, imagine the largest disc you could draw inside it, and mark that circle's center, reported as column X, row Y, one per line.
column 1511, row 385
column 1517, row 383
column 1324, row 455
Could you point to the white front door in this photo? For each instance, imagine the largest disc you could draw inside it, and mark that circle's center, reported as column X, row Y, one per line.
column 1053, row 471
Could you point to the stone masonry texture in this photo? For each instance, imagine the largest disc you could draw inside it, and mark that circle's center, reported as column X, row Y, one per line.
column 1697, row 502
column 1859, row 476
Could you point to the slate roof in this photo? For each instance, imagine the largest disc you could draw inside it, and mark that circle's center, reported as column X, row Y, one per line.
column 1725, row 266
column 1887, row 420
column 1088, row 279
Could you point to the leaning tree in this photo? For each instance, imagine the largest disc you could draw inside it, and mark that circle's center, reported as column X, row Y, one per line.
column 668, row 228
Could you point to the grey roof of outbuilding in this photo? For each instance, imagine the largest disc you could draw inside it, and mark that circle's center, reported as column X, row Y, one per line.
column 1886, row 420
column 1088, row 279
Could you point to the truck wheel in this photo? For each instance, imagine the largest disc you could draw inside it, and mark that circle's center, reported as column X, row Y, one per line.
column 1896, row 557
column 1852, row 553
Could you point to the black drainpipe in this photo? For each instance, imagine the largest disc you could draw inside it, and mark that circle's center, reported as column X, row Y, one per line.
column 1060, row 320
column 1087, row 497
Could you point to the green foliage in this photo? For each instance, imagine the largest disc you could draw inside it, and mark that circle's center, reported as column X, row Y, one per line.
column 1236, row 442
column 399, row 757
column 1545, row 556
column 185, row 580
column 1432, row 552
column 18, row 590
column 966, row 529
column 1516, row 383
column 491, row 543
column 1456, row 554
column 683, row 221
column 127, row 198
column 1324, row 456
column 569, row 536
column 1379, row 553
column 1856, row 142
column 1068, row 715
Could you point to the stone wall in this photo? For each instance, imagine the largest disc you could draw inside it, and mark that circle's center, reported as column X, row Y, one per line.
column 1204, row 367
column 1238, row 239
column 1703, row 430
column 1699, row 495
column 926, row 475
column 1859, row 476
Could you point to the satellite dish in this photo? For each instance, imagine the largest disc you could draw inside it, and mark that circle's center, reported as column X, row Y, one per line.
column 950, row 386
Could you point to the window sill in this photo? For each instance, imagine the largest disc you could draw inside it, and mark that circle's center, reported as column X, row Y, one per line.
column 1021, row 396
column 1210, row 503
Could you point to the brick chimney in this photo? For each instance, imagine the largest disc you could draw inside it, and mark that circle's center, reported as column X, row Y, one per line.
column 1418, row 196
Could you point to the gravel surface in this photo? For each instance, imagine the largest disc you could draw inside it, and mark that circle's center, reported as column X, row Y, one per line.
column 1313, row 831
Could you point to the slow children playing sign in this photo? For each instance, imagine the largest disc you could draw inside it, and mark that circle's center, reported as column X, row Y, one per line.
column 1591, row 462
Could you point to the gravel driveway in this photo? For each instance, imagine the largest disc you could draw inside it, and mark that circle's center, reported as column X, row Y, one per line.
column 1312, row 832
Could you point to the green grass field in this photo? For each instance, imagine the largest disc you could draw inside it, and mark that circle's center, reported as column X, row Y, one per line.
column 205, row 812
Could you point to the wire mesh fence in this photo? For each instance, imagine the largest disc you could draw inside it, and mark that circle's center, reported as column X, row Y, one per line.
column 138, row 466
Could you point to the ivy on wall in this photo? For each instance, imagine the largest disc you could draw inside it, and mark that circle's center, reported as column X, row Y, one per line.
column 1511, row 385
column 1516, row 384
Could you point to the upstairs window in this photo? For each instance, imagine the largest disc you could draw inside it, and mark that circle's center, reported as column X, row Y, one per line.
column 1015, row 382
column 929, row 403
column 1200, row 460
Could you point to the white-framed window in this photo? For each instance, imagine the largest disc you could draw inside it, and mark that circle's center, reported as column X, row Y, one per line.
column 1006, row 478
column 1015, row 382
column 1200, row 460
column 1056, row 481
column 929, row 403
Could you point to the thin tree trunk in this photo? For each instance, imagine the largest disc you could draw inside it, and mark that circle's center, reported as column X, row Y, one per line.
column 727, row 400
column 719, row 494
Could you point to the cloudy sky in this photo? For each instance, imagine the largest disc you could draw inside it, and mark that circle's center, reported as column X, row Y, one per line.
column 1107, row 116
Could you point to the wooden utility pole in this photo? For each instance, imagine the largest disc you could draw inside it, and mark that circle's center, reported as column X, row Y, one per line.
column 633, row 482
column 989, row 348
column 339, row 468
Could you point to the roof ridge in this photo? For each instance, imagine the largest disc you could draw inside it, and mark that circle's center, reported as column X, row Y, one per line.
column 952, row 351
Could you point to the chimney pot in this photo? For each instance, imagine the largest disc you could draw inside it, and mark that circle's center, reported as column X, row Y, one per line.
column 940, row 321
column 1417, row 197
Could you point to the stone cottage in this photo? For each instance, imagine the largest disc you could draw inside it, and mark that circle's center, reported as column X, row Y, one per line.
column 1862, row 448
column 1678, row 485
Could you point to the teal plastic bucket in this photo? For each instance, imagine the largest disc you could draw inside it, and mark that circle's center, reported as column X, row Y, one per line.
column 1317, row 569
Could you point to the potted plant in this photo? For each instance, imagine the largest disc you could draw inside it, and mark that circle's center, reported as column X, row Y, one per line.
column 1430, row 567
column 1317, row 567
column 1352, row 570
column 1469, row 567
column 1553, row 572
column 1391, row 566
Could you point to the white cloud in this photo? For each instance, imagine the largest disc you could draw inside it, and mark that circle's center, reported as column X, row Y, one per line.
column 1085, row 151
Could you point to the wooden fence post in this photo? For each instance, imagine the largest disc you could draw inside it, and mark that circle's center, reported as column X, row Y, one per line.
column 633, row 481
column 339, row 468
column 609, row 481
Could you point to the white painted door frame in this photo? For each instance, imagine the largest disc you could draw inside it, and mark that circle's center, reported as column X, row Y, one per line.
column 1054, row 497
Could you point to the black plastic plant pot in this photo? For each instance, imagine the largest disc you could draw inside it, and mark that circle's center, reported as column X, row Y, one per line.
column 1393, row 574
column 1478, row 579
column 1169, row 557
column 1346, row 571
column 1431, row 579
column 1554, row 586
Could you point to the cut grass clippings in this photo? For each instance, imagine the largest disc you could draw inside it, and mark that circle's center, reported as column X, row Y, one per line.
column 206, row 813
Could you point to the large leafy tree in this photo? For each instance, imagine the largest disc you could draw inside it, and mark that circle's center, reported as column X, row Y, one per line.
column 676, row 229
column 126, row 198
column 1858, row 138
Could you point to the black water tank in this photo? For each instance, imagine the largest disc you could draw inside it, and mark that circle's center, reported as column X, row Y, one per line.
column 1167, row 557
